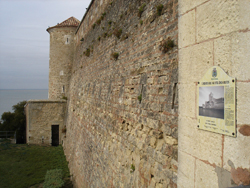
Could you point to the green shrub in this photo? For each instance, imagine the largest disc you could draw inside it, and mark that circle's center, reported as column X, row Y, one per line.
column 141, row 9
column 103, row 15
column 132, row 168
column 64, row 97
column 53, row 179
column 87, row 52
column 15, row 121
column 99, row 21
column 167, row 45
column 109, row 22
column 92, row 48
column 105, row 35
column 117, row 33
column 140, row 98
column 115, row 55
column 109, row 35
column 159, row 9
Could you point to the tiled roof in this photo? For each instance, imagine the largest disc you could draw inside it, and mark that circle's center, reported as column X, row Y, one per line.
column 70, row 22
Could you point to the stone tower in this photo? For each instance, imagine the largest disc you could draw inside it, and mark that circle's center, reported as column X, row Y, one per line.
column 61, row 57
column 211, row 96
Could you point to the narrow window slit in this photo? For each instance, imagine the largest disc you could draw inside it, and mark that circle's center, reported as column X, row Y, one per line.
column 63, row 89
column 174, row 91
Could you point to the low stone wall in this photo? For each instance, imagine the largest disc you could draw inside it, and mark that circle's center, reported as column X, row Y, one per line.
column 40, row 116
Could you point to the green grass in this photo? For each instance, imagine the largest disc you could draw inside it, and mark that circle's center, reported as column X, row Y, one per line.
column 22, row 166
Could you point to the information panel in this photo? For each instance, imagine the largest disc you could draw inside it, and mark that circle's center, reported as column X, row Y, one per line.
column 216, row 102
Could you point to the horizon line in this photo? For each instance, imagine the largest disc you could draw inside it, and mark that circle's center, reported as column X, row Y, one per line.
column 23, row 89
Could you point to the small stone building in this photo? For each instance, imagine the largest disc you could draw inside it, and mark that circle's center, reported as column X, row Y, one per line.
column 45, row 121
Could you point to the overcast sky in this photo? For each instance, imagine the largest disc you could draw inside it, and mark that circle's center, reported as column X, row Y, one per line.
column 24, row 41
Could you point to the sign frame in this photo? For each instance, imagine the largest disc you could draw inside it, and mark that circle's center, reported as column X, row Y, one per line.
column 216, row 109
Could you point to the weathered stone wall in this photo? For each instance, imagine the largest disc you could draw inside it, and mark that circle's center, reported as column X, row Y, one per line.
column 40, row 116
column 122, row 114
column 61, row 59
column 213, row 32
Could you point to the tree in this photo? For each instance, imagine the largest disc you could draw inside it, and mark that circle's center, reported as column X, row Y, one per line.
column 15, row 121
column 7, row 121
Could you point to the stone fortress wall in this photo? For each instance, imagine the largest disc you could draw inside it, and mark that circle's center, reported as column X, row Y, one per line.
column 122, row 114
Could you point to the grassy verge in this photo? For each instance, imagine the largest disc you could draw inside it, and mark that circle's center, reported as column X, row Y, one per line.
column 22, row 166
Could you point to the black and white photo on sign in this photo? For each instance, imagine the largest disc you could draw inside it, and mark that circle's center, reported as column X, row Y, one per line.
column 211, row 101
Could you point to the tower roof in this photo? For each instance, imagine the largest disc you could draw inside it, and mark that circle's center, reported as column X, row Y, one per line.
column 70, row 22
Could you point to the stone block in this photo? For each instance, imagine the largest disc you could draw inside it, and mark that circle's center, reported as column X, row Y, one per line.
column 186, row 27
column 153, row 142
column 231, row 52
column 154, row 124
column 204, row 145
column 185, row 125
column 205, row 175
column 243, row 102
column 194, row 61
column 185, row 170
column 186, row 137
column 216, row 18
column 223, row 53
column 244, row 14
column 170, row 140
column 187, row 102
column 241, row 56
column 236, row 152
column 185, row 5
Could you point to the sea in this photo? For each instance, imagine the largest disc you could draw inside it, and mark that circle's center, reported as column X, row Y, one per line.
column 10, row 97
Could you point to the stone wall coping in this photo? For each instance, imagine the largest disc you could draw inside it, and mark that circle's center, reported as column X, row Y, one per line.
column 84, row 15
column 49, row 30
column 46, row 101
